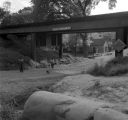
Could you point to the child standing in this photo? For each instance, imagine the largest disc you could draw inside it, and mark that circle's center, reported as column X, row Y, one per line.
column 21, row 64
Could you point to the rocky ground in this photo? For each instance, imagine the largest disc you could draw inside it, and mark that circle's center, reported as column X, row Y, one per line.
column 111, row 89
column 80, row 84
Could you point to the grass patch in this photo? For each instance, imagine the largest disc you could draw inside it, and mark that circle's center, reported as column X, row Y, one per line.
column 8, row 111
column 14, row 93
column 115, row 67
column 18, row 100
column 12, row 105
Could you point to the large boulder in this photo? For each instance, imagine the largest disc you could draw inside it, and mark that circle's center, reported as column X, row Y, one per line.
column 53, row 106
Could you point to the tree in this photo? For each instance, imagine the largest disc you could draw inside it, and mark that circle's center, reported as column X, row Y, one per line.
column 40, row 9
column 25, row 10
column 2, row 14
column 79, row 8
column 13, row 19
column 65, row 9
column 23, row 16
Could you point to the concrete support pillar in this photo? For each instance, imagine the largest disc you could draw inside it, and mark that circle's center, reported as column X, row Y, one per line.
column 60, row 45
column 125, row 35
column 122, row 35
column 33, row 46
column 48, row 40
column 56, row 41
column 2, row 39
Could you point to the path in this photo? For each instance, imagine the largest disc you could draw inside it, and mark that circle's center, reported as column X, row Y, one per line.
column 27, row 74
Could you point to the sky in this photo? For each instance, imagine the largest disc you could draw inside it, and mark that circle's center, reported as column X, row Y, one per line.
column 17, row 4
column 102, row 8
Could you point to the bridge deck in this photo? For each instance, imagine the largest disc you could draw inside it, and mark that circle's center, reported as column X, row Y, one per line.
column 104, row 22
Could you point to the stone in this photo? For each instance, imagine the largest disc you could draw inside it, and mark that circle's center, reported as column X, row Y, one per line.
column 44, row 63
column 109, row 89
column 34, row 63
column 44, row 105
column 120, row 94
column 109, row 114
column 121, row 88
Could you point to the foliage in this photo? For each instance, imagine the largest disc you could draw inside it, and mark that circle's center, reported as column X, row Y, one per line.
column 96, row 70
column 116, row 61
column 2, row 13
column 73, row 40
column 13, row 19
column 17, row 18
column 12, row 105
column 43, row 54
column 117, row 66
column 9, row 59
column 25, row 10
column 60, row 9
column 22, row 16
column 8, row 113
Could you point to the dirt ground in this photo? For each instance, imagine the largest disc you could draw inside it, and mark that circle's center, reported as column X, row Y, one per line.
column 16, row 87
column 109, row 89
column 14, row 83
column 67, row 79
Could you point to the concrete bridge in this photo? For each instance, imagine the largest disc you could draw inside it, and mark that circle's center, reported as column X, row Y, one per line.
column 48, row 31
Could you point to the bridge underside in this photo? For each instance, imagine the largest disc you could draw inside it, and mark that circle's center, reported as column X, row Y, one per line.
column 117, row 22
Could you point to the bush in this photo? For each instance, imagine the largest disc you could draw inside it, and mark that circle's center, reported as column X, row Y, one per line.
column 116, row 61
column 43, row 54
column 9, row 59
column 114, row 67
column 8, row 111
column 118, row 70
column 12, row 104
column 97, row 70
